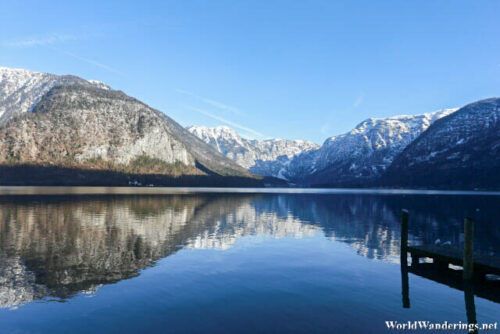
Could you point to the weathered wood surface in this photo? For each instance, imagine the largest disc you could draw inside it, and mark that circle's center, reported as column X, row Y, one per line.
column 468, row 254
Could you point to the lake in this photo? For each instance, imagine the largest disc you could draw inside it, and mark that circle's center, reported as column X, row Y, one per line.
column 149, row 260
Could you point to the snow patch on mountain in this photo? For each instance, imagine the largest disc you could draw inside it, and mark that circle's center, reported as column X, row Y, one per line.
column 361, row 154
column 265, row 157
column 460, row 151
column 20, row 89
column 364, row 152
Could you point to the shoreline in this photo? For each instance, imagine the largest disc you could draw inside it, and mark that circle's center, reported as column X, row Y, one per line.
column 123, row 190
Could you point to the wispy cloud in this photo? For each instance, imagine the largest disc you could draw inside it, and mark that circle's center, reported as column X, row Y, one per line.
column 228, row 122
column 359, row 100
column 41, row 40
column 89, row 61
column 211, row 102
column 50, row 40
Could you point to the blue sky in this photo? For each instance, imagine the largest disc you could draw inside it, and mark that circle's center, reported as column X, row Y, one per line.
column 287, row 69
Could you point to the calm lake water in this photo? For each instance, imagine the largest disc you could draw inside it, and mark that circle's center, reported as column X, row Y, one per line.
column 128, row 260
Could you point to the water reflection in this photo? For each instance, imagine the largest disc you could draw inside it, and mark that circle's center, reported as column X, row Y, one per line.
column 55, row 247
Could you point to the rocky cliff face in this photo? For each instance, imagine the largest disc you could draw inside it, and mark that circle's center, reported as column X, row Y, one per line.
column 80, row 124
column 461, row 150
column 265, row 157
column 87, row 125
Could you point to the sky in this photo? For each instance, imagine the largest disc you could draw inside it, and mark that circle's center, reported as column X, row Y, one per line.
column 269, row 69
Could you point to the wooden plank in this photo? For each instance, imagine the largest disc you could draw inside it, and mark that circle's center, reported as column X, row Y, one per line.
column 485, row 263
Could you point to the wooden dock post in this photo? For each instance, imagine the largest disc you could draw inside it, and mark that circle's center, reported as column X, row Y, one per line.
column 404, row 237
column 468, row 249
column 405, row 286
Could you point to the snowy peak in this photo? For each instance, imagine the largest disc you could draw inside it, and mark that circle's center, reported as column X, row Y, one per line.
column 361, row 154
column 459, row 151
column 99, row 84
column 264, row 157
column 393, row 127
column 85, row 125
column 21, row 89
column 364, row 152
column 218, row 134
column 219, row 131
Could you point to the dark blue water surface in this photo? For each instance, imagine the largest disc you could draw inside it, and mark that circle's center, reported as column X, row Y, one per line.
column 204, row 262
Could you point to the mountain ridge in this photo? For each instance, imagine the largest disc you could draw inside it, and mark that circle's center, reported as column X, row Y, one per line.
column 364, row 153
column 22, row 89
column 88, row 127
column 264, row 157
column 77, row 131
column 461, row 150
column 353, row 158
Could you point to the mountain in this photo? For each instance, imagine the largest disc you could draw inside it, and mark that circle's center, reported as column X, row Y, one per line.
column 81, row 132
column 20, row 89
column 268, row 157
column 68, row 130
column 352, row 159
column 461, row 150
column 362, row 154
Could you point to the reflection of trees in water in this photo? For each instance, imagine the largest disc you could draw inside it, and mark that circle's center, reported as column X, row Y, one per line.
column 57, row 247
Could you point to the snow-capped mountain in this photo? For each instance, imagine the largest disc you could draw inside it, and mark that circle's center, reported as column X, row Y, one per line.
column 20, row 89
column 78, row 123
column 268, row 157
column 353, row 158
column 363, row 153
column 69, row 123
column 461, row 150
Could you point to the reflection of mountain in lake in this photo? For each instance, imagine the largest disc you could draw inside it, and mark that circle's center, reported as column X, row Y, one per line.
column 371, row 223
column 246, row 220
column 54, row 247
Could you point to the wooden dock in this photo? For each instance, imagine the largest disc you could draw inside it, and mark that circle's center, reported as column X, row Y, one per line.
column 474, row 265
column 483, row 264
column 471, row 280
